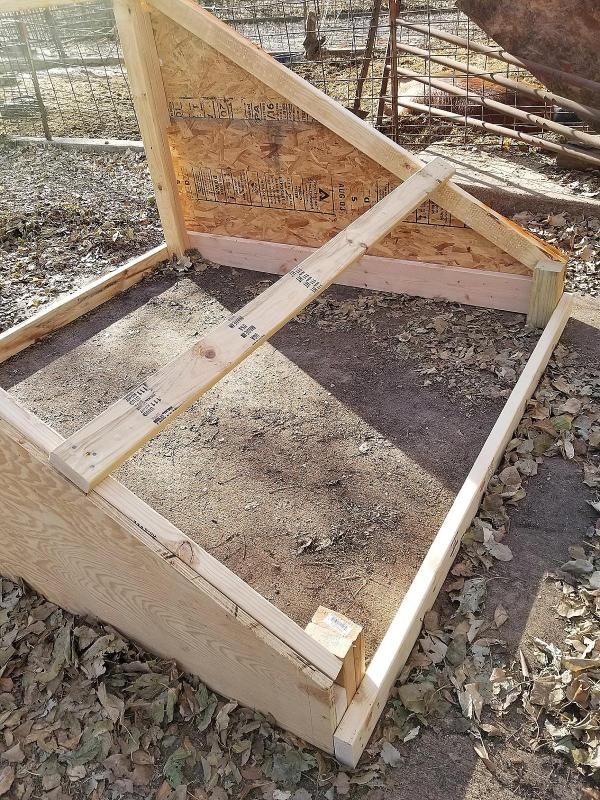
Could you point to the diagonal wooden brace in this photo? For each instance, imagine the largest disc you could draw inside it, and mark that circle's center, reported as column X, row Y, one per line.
column 109, row 439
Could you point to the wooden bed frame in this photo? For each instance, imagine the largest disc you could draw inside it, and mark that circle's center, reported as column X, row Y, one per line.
column 87, row 543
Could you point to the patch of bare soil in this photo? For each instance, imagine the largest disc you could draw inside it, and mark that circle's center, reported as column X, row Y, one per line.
column 497, row 699
column 515, row 635
column 67, row 216
column 319, row 470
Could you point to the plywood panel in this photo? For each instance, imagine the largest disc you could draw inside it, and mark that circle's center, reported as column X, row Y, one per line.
column 85, row 555
column 251, row 164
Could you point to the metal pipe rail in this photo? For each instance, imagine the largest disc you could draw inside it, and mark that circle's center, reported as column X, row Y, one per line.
column 544, row 95
column 517, row 113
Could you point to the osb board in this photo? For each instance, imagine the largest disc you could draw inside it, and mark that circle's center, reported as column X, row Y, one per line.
column 251, row 164
column 84, row 555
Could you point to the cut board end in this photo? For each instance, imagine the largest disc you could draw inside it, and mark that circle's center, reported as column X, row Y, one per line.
column 59, row 463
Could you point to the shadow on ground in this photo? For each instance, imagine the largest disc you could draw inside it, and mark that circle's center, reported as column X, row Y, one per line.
column 438, row 434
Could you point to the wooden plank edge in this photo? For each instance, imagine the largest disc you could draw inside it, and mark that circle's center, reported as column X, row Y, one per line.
column 499, row 290
column 546, row 290
column 343, row 637
column 358, row 722
column 142, row 611
column 66, row 309
column 148, row 94
column 505, row 234
column 9, row 6
column 151, row 525
column 91, row 145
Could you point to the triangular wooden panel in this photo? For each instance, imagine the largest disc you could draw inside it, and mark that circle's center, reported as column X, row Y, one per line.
column 251, row 164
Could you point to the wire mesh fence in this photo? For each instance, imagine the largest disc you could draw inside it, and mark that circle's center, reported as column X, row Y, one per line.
column 378, row 59
column 415, row 69
column 62, row 74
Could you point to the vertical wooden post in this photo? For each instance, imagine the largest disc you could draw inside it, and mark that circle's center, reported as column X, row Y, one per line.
column 368, row 55
column 546, row 290
column 145, row 80
column 49, row 20
column 385, row 79
column 344, row 639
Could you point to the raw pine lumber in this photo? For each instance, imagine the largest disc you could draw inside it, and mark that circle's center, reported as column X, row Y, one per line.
column 75, row 305
column 361, row 717
column 85, row 555
column 147, row 91
column 510, row 238
column 546, row 290
column 208, row 569
column 99, row 447
column 344, row 638
column 475, row 287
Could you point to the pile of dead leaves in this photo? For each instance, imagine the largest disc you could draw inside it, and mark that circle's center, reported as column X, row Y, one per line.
column 65, row 217
column 455, row 664
column 82, row 711
column 579, row 237
column 470, row 352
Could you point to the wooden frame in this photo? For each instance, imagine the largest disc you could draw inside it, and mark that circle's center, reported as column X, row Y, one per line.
column 103, row 551
column 147, row 61
column 357, row 725
column 499, row 290
column 109, row 554
column 61, row 312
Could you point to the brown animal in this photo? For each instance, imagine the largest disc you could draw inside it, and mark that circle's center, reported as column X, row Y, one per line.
column 314, row 45
column 417, row 92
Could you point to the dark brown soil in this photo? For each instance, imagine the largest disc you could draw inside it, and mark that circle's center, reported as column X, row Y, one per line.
column 319, row 471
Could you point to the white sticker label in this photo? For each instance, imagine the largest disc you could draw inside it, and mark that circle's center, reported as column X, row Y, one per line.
column 339, row 625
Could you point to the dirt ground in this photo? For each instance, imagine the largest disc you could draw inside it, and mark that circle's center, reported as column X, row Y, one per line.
column 552, row 517
column 65, row 217
column 329, row 492
column 342, row 480
column 331, row 406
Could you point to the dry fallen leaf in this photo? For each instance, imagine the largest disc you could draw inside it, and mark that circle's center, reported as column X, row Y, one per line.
column 7, row 777
column 500, row 615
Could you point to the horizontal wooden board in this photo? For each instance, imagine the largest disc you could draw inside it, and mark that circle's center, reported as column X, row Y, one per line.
column 251, row 164
column 501, row 290
column 363, row 712
column 29, row 5
column 66, row 309
column 100, row 446
column 208, row 569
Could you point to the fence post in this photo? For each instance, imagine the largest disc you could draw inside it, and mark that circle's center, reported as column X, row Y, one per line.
column 36, row 86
